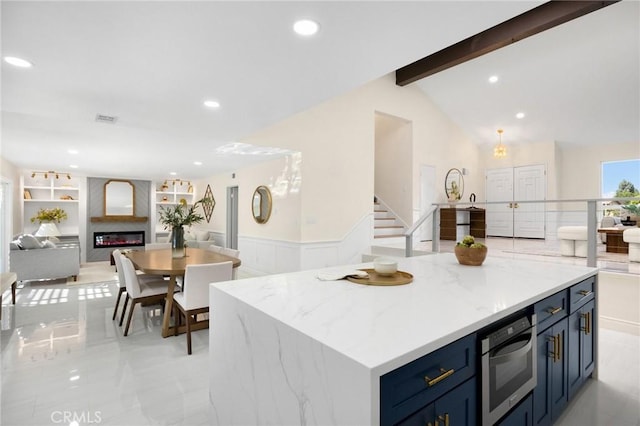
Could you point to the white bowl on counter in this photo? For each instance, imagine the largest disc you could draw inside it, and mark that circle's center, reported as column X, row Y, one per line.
column 385, row 266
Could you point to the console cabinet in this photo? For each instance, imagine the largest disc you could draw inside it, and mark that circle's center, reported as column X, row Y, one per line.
column 469, row 221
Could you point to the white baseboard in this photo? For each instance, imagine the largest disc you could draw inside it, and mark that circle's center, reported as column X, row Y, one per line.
column 617, row 324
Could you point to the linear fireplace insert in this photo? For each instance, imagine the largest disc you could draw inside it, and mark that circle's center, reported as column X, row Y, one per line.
column 118, row 239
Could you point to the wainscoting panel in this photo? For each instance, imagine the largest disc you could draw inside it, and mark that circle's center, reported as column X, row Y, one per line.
column 265, row 256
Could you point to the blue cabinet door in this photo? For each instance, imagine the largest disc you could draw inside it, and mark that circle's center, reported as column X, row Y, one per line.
column 550, row 395
column 456, row 408
column 559, row 391
column 582, row 335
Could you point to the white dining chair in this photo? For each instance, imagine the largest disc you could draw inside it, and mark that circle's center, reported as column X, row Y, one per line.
column 194, row 298
column 138, row 291
column 157, row 246
column 230, row 252
column 117, row 255
column 214, row 248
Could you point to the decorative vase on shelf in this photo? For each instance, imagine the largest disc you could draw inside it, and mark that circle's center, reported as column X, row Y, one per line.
column 177, row 242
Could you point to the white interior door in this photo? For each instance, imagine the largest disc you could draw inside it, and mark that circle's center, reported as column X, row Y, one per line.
column 529, row 186
column 509, row 219
column 427, row 198
column 499, row 188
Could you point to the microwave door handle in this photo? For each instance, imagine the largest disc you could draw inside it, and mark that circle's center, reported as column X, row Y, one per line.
column 510, row 356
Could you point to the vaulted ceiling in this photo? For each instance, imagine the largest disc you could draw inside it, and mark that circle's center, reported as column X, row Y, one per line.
column 152, row 64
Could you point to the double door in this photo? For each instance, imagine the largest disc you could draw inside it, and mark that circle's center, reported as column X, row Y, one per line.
column 506, row 215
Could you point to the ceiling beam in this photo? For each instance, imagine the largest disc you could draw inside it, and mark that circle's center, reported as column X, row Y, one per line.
column 534, row 21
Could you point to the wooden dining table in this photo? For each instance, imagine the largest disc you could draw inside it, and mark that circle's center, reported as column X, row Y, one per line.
column 161, row 262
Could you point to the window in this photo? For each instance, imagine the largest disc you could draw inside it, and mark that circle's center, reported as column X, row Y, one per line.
column 620, row 179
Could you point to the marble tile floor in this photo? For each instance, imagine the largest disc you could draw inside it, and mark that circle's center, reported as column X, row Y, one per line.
column 65, row 362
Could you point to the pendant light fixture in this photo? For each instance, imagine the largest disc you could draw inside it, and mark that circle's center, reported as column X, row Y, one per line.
column 500, row 151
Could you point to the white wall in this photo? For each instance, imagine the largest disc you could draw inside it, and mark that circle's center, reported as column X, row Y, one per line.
column 393, row 160
column 581, row 167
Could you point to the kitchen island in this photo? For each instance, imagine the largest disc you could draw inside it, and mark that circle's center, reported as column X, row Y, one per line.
column 292, row 349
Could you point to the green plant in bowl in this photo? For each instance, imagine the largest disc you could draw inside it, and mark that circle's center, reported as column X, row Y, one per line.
column 468, row 252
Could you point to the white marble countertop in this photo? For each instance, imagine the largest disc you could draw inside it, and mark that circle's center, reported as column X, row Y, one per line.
column 383, row 328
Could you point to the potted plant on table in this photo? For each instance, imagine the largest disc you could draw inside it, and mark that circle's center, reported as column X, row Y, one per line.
column 176, row 218
column 468, row 252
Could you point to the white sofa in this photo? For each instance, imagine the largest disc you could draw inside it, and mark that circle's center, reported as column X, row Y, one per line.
column 198, row 239
column 37, row 263
column 632, row 237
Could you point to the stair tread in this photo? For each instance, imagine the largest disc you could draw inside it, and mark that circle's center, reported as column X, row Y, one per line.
column 388, row 226
column 384, row 218
column 389, row 236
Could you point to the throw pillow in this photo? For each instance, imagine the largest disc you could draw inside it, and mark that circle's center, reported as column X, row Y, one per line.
column 29, row 242
column 15, row 245
column 48, row 244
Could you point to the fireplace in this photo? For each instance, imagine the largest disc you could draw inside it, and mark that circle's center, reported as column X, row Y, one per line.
column 118, row 239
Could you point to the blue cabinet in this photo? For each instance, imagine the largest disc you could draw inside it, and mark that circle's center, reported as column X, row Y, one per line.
column 550, row 395
column 411, row 388
column 582, row 341
column 457, row 407
column 566, row 349
column 522, row 415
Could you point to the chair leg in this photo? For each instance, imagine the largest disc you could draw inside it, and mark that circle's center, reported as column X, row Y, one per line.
column 115, row 310
column 124, row 309
column 133, row 305
column 188, row 318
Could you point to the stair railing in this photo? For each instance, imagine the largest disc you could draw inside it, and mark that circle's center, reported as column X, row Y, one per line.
column 435, row 242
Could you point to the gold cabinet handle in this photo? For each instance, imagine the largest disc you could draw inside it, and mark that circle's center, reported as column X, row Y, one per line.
column 559, row 347
column 515, row 205
column 587, row 323
column 444, row 419
column 444, row 375
column 585, row 293
column 554, row 311
column 554, row 353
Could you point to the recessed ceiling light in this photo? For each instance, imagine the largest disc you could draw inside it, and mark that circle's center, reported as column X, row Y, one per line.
column 306, row 27
column 520, row 115
column 173, row 173
column 73, row 166
column 72, row 151
column 212, row 104
column 198, row 163
column 493, row 79
column 18, row 62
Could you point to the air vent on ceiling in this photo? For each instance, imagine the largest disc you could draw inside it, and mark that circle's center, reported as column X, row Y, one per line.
column 110, row 119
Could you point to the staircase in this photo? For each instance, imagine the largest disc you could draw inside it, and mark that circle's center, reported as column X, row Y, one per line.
column 386, row 226
column 388, row 234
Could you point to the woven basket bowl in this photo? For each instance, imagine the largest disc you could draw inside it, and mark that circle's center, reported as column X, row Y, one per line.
column 470, row 256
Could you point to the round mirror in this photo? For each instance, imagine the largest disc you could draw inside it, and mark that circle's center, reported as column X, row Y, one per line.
column 261, row 204
column 454, row 184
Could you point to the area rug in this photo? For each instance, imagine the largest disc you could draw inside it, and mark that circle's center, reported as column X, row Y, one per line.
column 95, row 272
